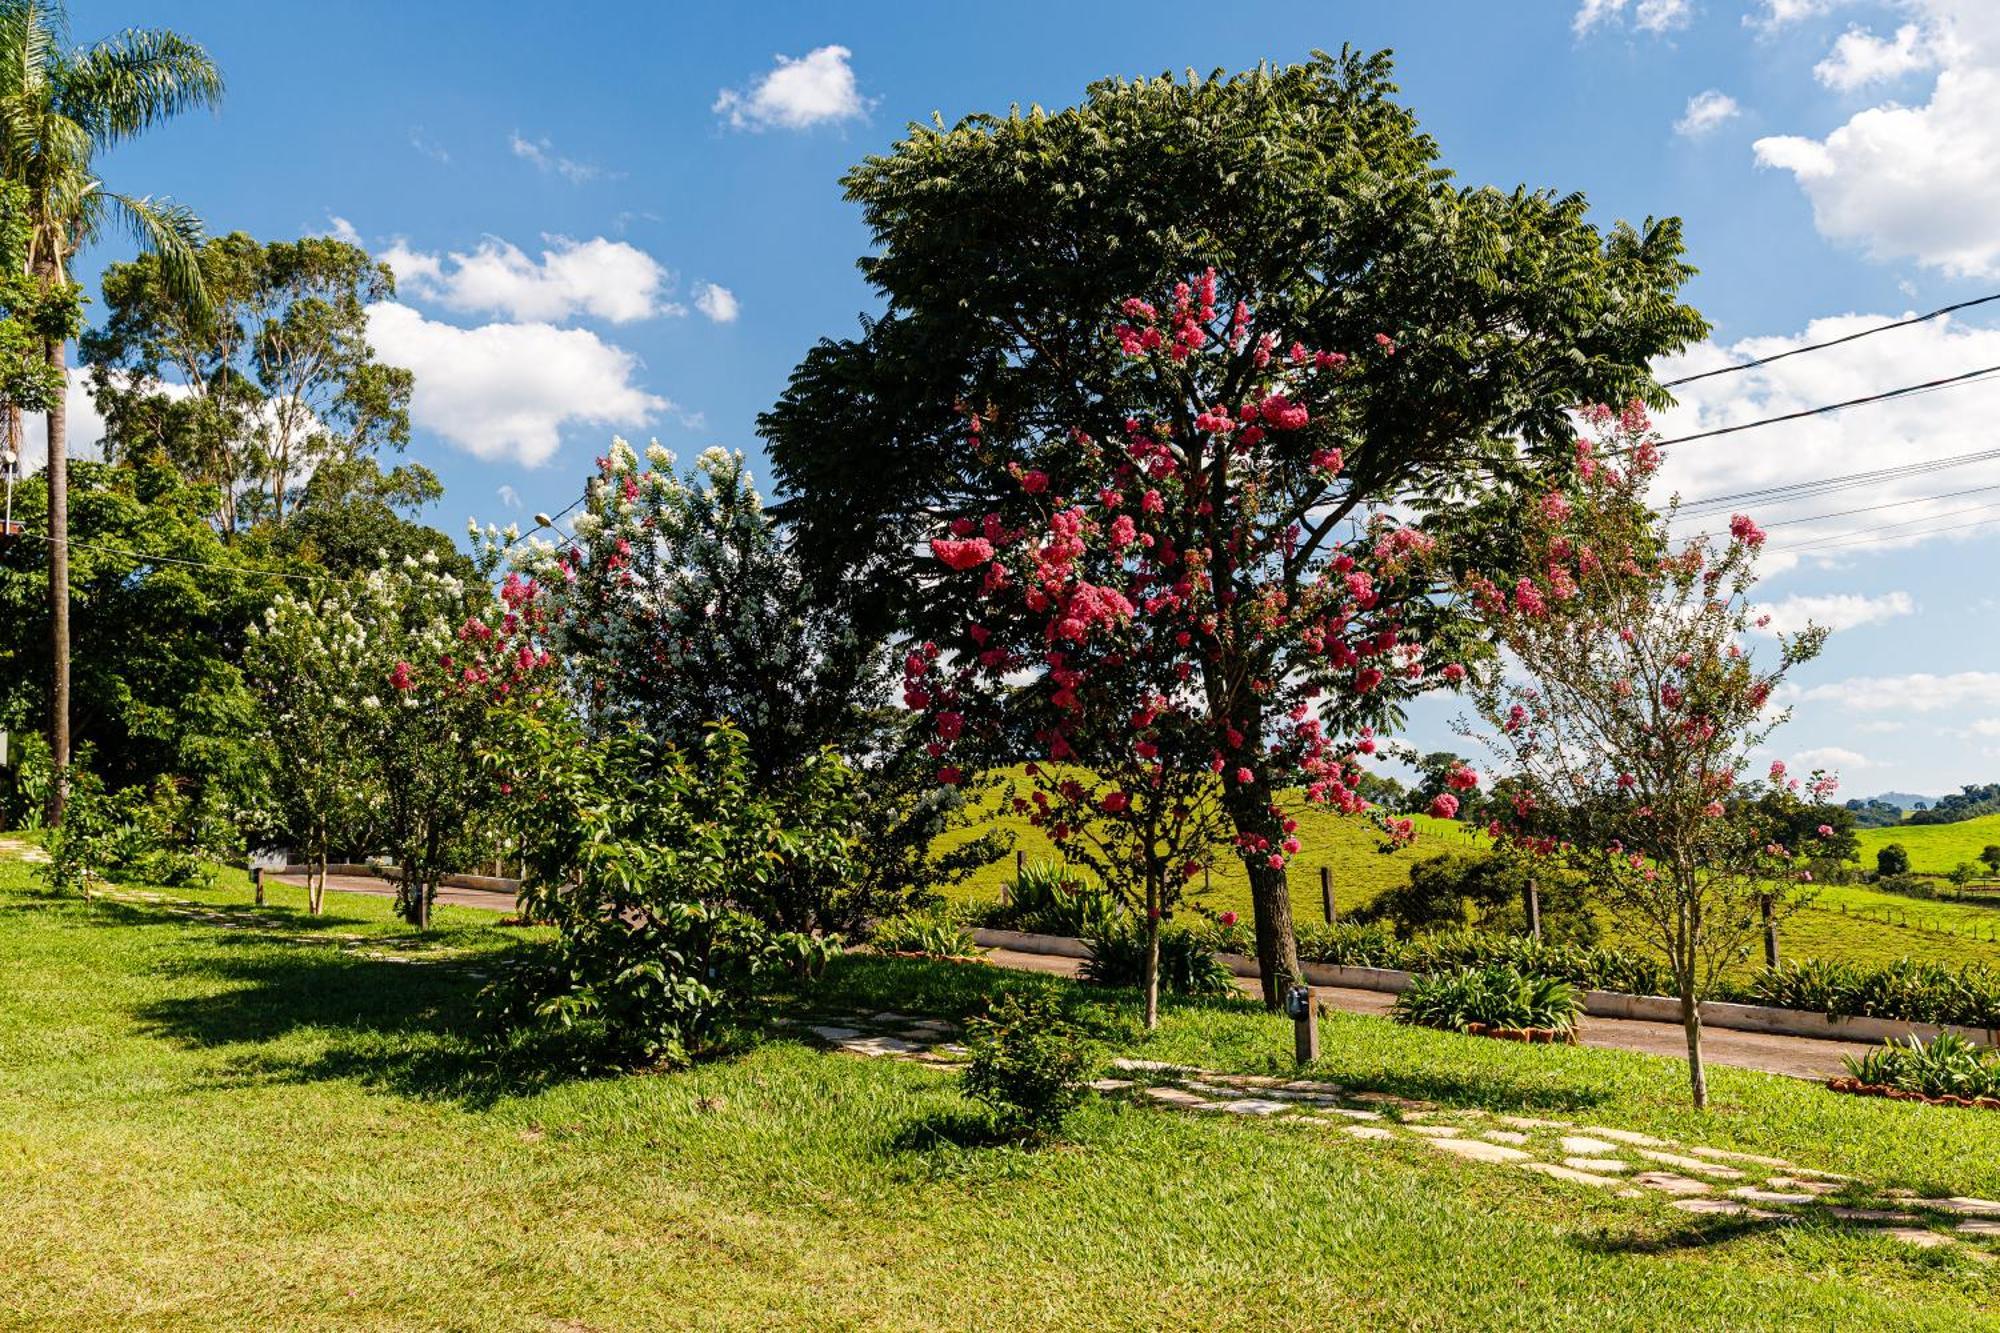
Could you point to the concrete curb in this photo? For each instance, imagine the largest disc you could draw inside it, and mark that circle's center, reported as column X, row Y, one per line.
column 1596, row 1003
column 491, row 882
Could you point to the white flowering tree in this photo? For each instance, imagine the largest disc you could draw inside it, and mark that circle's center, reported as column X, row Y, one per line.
column 678, row 605
column 1627, row 736
column 384, row 700
column 317, row 672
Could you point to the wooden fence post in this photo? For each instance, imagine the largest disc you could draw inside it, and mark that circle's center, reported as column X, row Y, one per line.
column 1534, row 905
column 1326, row 894
column 1770, row 932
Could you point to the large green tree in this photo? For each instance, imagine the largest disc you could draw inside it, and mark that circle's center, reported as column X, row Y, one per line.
column 59, row 108
column 161, row 608
column 1004, row 247
column 270, row 390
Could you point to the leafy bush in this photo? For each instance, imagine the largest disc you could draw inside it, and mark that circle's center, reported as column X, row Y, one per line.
column 1946, row 1066
column 1188, row 965
column 1497, row 997
column 933, row 934
column 1051, row 898
column 1028, row 1062
column 1458, row 890
column 1908, row 989
column 643, row 858
column 1892, row 859
column 95, row 835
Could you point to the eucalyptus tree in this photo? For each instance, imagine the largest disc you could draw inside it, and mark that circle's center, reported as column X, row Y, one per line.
column 59, row 108
column 271, row 392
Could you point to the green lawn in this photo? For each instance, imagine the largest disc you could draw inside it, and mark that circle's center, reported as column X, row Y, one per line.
column 214, row 1117
column 1934, row 848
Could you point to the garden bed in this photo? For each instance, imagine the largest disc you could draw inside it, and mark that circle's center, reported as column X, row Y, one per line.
column 1856, row 1088
column 1533, row 1036
column 1596, row 1003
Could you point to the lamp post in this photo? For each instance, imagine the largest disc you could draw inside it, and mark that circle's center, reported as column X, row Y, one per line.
column 10, row 468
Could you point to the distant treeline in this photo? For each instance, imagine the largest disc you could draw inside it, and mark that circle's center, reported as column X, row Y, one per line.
column 1974, row 800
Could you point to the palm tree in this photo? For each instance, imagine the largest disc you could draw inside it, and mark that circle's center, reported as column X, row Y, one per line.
column 59, row 108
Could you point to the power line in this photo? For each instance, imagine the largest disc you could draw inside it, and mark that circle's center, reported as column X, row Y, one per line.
column 1869, row 509
column 1885, row 536
column 1825, row 485
column 1832, row 342
column 1884, row 396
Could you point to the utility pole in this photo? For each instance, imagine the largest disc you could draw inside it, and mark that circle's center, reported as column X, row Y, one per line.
column 58, row 477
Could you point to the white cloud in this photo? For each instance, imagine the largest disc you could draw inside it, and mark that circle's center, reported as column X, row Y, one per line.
column 428, row 146
column 1662, row 15
column 717, row 302
column 1837, row 611
column 341, row 229
column 1916, row 181
column 603, row 278
column 1864, row 521
column 508, row 390
column 1920, row 692
column 1987, row 726
column 1648, row 16
column 1705, row 112
column 1783, row 13
column 1832, row 758
column 509, row 497
column 1877, row 726
column 814, row 89
column 545, row 158
column 83, row 426
column 1860, row 58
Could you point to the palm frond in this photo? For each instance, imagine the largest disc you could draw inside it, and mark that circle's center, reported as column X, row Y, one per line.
column 32, row 33
column 172, row 232
column 130, row 82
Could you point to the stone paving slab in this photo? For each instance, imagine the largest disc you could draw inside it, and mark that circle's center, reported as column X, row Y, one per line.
column 1603, row 1165
column 1699, row 1165
column 1666, row 1182
column 1479, row 1150
column 1570, row 1173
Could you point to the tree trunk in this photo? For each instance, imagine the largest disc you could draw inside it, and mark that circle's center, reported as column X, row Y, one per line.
column 1152, row 957
column 316, row 885
column 58, row 481
column 1691, row 1023
column 1277, row 946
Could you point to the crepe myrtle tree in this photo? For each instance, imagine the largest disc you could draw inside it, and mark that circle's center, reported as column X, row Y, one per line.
column 1002, row 245
column 454, row 660
column 1200, row 585
column 1628, row 730
column 313, row 664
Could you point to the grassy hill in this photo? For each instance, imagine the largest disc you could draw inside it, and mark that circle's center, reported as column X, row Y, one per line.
column 1934, row 848
column 1853, row 923
column 1350, row 847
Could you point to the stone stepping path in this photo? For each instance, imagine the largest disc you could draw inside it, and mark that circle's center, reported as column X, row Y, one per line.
column 1691, row 1178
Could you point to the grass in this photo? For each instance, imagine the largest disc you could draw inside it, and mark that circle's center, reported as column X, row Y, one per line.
column 214, row 1116
column 1935, row 848
column 1361, row 871
column 1350, row 847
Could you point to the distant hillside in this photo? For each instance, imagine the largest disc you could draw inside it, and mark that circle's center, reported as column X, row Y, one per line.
column 1934, row 848
column 1902, row 800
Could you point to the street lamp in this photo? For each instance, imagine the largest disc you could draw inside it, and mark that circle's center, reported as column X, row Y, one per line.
column 10, row 467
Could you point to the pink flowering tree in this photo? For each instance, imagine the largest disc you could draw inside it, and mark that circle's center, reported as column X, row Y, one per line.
column 1628, row 732
column 1208, row 590
column 449, row 660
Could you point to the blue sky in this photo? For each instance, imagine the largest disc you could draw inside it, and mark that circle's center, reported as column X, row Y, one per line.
column 565, row 191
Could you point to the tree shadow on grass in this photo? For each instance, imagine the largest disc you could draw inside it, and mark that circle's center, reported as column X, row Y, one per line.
column 302, row 1014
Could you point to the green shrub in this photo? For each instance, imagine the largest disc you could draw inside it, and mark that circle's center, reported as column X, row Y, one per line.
column 1908, row 990
column 1946, row 1066
column 1051, row 898
column 1498, row 997
column 1028, row 1062
column 934, row 934
column 1458, row 890
column 1892, row 859
column 1188, row 965
column 639, row 855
